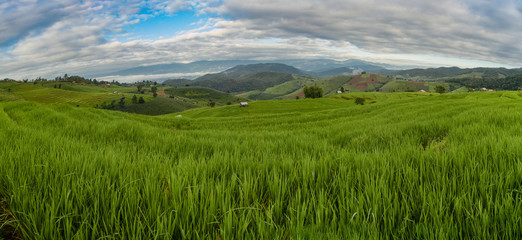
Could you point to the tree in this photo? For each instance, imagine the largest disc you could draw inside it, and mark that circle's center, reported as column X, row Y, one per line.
column 60, row 85
column 112, row 105
column 134, row 99
column 359, row 100
column 122, row 102
column 141, row 100
column 154, row 90
column 313, row 91
column 211, row 104
column 342, row 89
column 440, row 89
column 139, row 86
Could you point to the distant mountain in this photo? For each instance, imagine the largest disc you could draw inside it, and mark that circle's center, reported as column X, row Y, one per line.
column 322, row 65
column 193, row 67
column 241, row 71
column 192, row 70
column 178, row 82
column 243, row 78
column 337, row 72
column 246, row 82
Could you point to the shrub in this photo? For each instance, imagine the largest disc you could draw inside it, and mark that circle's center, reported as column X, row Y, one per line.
column 122, row 102
column 141, row 100
column 359, row 100
column 440, row 89
column 313, row 91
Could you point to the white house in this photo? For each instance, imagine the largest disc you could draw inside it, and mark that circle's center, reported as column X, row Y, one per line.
column 243, row 104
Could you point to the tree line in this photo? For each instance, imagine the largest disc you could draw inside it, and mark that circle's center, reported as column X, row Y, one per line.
column 77, row 79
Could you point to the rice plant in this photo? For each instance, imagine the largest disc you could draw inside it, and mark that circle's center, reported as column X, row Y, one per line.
column 404, row 165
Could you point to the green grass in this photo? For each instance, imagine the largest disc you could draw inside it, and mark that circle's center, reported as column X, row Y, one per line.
column 408, row 166
column 50, row 95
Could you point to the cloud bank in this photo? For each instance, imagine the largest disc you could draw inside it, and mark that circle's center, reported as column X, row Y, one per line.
column 53, row 37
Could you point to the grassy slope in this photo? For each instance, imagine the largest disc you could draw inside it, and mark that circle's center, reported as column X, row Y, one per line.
column 203, row 95
column 409, row 165
column 460, row 90
column 83, row 95
column 403, row 85
column 91, row 96
column 284, row 90
column 331, row 85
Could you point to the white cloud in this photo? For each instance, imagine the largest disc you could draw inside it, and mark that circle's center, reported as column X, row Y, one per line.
column 485, row 30
column 74, row 39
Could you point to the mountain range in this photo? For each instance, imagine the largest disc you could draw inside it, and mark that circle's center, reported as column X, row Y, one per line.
column 243, row 77
column 314, row 67
column 263, row 81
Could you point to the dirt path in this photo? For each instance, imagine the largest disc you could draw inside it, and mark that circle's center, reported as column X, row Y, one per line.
column 162, row 93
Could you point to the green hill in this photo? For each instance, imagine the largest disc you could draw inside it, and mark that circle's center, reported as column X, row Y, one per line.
column 286, row 90
column 243, row 78
column 241, row 71
column 404, row 85
column 159, row 106
column 403, row 165
column 86, row 95
column 69, row 93
column 203, row 95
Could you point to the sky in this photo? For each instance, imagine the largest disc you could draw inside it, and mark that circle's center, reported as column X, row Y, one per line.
column 52, row 37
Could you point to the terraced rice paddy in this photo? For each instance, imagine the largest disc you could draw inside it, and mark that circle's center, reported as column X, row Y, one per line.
column 406, row 166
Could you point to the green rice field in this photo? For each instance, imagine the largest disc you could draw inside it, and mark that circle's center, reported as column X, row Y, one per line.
column 401, row 166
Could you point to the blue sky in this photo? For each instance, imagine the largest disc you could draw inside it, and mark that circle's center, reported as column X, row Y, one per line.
column 165, row 25
column 52, row 37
